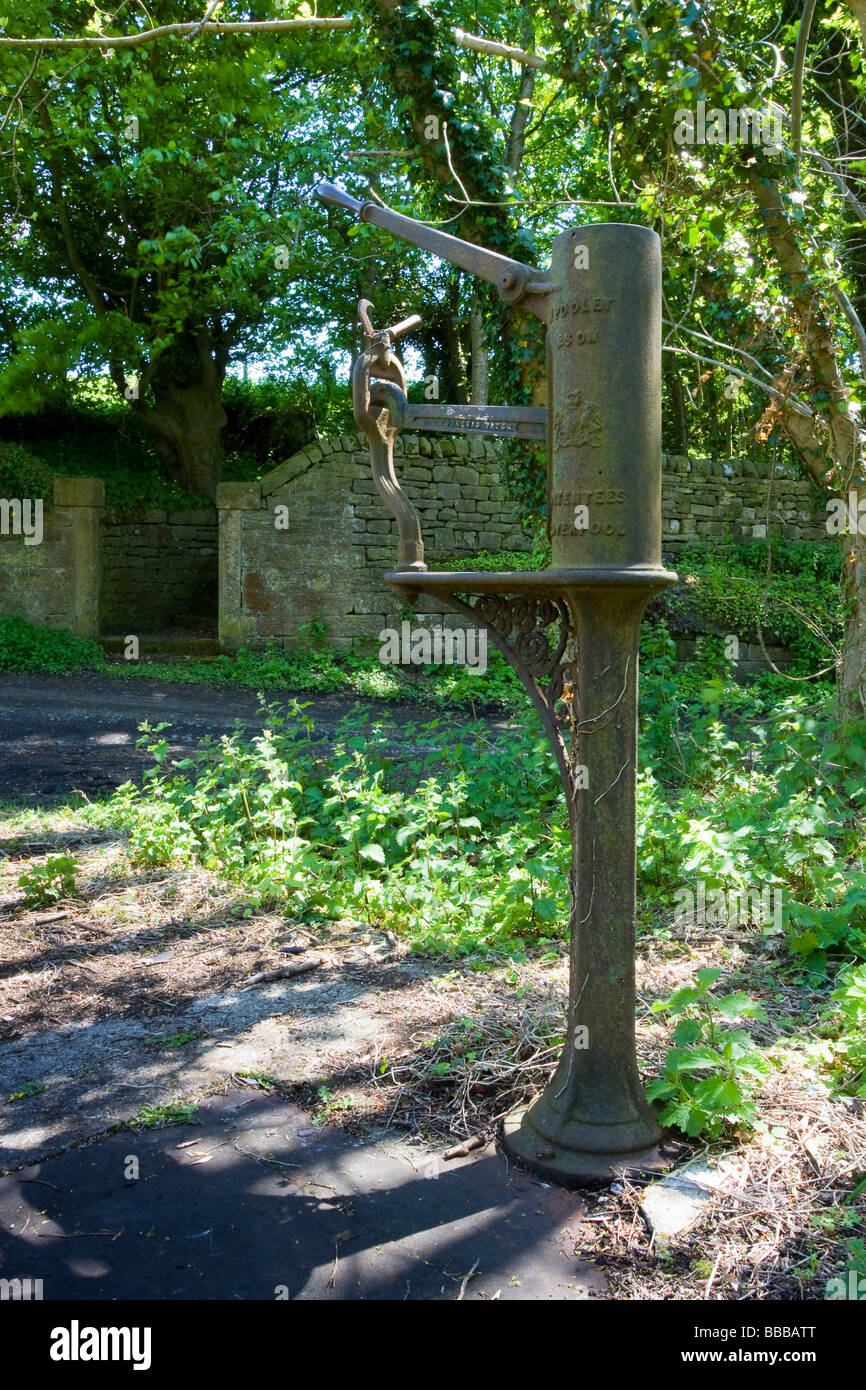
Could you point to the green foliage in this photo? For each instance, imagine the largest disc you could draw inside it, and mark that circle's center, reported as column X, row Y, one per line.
column 272, row 668
column 845, row 1021
column 754, row 788
column 172, row 1040
column 751, row 789
column 88, row 432
column 409, row 53
column 271, row 419
column 524, row 473
column 47, row 883
column 256, row 1077
column 330, row 1105
column 462, row 687
column 152, row 223
column 313, row 667
column 855, row 1251
column 22, row 474
column 27, row 647
column 171, row 1113
column 810, row 559
column 461, row 846
column 712, row 1071
column 30, row 1088
column 538, row 558
column 727, row 593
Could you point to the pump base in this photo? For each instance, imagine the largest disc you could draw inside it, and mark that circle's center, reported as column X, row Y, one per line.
column 572, row 1168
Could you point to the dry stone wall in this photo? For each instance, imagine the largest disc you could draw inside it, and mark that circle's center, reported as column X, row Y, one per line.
column 703, row 500
column 56, row 581
column 159, row 570
column 311, row 540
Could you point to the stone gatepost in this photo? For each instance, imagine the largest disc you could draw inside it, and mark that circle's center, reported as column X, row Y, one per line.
column 233, row 501
column 78, row 503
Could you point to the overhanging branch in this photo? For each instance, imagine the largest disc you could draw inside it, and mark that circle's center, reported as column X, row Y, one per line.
column 253, row 27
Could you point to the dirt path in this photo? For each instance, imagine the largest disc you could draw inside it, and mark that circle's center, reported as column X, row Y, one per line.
column 307, row 1031
column 140, row 992
column 90, row 994
column 64, row 733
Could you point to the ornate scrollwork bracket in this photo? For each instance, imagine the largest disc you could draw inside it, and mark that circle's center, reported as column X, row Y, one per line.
column 536, row 637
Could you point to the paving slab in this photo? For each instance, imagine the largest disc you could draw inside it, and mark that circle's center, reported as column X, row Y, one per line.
column 677, row 1202
column 256, row 1203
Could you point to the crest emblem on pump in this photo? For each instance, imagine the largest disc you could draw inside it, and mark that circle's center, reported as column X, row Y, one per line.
column 578, row 426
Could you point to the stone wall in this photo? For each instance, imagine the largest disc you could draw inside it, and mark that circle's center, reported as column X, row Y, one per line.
column 703, row 501
column 56, row 583
column 159, row 571
column 327, row 564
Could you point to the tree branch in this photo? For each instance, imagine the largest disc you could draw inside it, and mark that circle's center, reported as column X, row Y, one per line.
column 799, row 406
column 856, row 206
column 815, row 331
column 858, row 9
column 797, row 75
column 520, row 120
column 498, row 50
column 253, row 27
column 856, row 326
column 16, row 97
column 716, row 342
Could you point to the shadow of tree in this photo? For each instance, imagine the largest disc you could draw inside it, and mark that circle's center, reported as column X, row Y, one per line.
column 251, row 1210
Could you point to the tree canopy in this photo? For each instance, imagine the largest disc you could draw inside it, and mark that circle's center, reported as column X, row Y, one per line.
column 157, row 220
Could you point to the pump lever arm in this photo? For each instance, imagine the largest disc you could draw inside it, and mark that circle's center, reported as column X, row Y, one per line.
column 517, row 283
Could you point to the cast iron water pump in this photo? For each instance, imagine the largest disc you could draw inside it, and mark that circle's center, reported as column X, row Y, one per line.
column 570, row 631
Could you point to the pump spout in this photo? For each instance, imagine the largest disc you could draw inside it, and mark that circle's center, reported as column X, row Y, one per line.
column 517, row 283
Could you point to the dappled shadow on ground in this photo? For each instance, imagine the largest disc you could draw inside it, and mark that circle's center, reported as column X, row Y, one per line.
column 192, row 959
column 138, row 942
column 26, row 845
column 155, row 1009
column 256, row 1204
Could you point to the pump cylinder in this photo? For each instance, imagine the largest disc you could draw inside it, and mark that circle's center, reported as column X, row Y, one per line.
column 604, row 360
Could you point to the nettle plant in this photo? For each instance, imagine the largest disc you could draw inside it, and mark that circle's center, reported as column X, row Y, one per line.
column 460, row 843
column 754, row 788
column 713, row 1070
column 845, row 1022
column 47, row 883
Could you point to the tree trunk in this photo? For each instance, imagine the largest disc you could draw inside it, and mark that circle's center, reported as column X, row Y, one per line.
column 858, row 9
column 678, row 406
column 523, row 105
column 188, row 421
column 469, row 166
column 479, row 392
column 828, row 445
column 852, row 677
